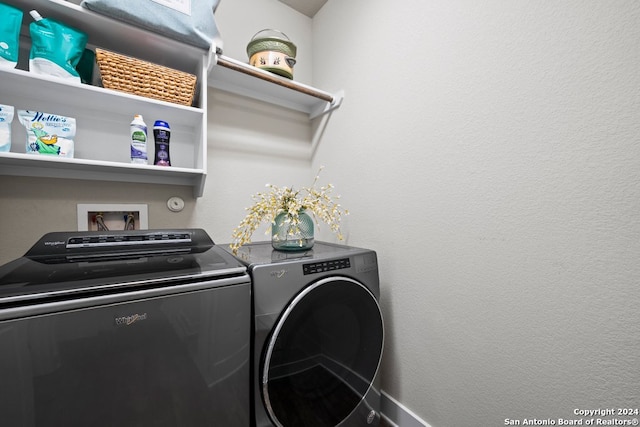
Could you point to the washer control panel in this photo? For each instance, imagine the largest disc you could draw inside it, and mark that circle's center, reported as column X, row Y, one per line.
column 321, row 266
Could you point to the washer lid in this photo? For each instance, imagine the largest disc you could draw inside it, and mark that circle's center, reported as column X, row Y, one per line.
column 73, row 263
column 323, row 354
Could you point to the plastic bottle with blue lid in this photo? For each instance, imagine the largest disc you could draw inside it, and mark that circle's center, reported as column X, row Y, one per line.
column 162, row 134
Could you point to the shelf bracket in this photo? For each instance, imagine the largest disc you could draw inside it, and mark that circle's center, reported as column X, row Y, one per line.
column 326, row 108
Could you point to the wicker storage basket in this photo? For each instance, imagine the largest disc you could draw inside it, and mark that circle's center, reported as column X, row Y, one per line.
column 131, row 75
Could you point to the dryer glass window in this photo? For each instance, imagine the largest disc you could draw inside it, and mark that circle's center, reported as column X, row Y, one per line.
column 323, row 355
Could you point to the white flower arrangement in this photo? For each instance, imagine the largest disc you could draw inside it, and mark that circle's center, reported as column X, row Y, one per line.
column 267, row 206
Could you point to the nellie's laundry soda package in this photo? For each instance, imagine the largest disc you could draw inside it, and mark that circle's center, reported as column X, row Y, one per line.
column 48, row 133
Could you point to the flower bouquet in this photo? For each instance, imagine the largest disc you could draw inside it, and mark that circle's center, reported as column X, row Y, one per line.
column 289, row 211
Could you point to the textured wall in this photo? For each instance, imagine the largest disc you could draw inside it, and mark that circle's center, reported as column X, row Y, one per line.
column 490, row 152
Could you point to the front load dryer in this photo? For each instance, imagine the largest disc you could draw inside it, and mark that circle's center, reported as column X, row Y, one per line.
column 317, row 336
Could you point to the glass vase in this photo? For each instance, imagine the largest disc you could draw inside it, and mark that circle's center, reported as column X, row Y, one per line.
column 291, row 234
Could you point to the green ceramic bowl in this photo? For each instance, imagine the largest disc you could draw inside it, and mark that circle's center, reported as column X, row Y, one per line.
column 272, row 52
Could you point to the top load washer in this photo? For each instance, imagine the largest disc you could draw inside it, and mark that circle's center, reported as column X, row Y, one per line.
column 317, row 335
column 131, row 328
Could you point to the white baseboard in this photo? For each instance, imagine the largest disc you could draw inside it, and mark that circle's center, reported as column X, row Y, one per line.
column 397, row 414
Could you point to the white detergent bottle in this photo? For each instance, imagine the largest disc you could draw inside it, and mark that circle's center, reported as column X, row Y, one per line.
column 138, row 140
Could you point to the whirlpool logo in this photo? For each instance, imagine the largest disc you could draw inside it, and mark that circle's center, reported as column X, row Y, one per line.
column 279, row 274
column 131, row 319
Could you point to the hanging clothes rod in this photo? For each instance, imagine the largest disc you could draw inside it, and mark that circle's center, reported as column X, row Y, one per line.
column 241, row 67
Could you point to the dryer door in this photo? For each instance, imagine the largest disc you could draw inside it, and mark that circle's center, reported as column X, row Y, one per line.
column 323, row 354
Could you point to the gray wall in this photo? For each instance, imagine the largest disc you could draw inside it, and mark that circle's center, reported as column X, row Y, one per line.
column 490, row 152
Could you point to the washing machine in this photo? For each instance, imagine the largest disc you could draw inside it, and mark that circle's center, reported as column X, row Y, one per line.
column 125, row 328
column 317, row 336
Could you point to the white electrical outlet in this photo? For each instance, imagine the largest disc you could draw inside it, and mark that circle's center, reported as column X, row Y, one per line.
column 92, row 217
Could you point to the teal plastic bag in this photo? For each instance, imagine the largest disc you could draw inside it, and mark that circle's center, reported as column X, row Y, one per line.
column 56, row 48
column 10, row 22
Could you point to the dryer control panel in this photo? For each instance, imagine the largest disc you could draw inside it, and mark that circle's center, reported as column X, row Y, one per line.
column 319, row 267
